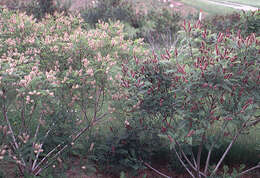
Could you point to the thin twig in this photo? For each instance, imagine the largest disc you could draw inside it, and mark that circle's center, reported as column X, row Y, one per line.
column 193, row 159
column 211, row 148
column 59, row 152
column 158, row 172
column 37, row 156
column 225, row 153
column 183, row 163
column 248, row 170
column 64, row 147
column 208, row 159
column 199, row 155
column 12, row 135
column 188, row 161
column 33, row 143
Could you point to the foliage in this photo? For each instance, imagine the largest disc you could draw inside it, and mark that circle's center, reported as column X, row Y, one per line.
column 40, row 8
column 127, row 146
column 209, row 82
column 155, row 26
column 56, row 79
column 246, row 23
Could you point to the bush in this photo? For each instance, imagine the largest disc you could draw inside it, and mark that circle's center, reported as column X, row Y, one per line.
column 155, row 26
column 55, row 79
column 40, row 8
column 210, row 82
column 126, row 148
column 246, row 23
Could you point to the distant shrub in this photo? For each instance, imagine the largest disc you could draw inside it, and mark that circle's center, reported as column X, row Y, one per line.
column 246, row 23
column 155, row 26
column 40, row 8
column 222, row 23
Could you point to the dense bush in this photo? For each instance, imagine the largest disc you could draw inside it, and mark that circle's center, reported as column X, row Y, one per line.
column 39, row 8
column 210, row 82
column 155, row 26
column 246, row 23
column 56, row 78
column 127, row 146
column 61, row 80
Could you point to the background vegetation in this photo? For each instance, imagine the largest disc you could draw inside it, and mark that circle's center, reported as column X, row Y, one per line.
column 99, row 85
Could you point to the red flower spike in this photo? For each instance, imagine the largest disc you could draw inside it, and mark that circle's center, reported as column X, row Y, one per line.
column 238, row 34
column 161, row 102
column 216, row 48
column 142, row 70
column 176, row 52
column 202, row 74
column 220, row 38
column 191, row 132
column 169, row 55
column 184, row 25
column 198, row 24
column 226, row 134
column 170, row 138
column 204, row 34
column 250, row 101
column 141, row 121
column 189, row 27
column 163, row 129
column 113, row 149
column 205, row 85
column 219, row 34
column 228, row 118
column 181, row 69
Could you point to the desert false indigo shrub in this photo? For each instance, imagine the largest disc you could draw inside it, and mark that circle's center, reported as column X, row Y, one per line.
column 209, row 82
column 56, row 81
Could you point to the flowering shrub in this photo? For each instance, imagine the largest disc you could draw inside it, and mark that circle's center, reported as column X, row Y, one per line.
column 55, row 71
column 205, row 89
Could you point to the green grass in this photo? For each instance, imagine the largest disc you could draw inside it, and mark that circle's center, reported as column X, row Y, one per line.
column 254, row 3
column 209, row 8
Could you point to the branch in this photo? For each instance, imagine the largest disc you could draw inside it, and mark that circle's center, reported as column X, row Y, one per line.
column 211, row 148
column 12, row 134
column 225, row 153
column 183, row 163
column 186, row 158
column 64, row 147
column 193, row 159
column 158, row 172
column 208, row 159
column 37, row 156
column 199, row 155
column 248, row 170
column 34, row 140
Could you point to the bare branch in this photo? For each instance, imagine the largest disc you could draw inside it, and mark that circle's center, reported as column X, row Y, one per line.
column 158, row 172
column 248, row 170
column 34, row 139
column 12, row 134
column 38, row 153
column 187, row 169
column 225, row 153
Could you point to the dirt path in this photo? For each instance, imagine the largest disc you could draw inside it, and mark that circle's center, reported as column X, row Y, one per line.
column 234, row 5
